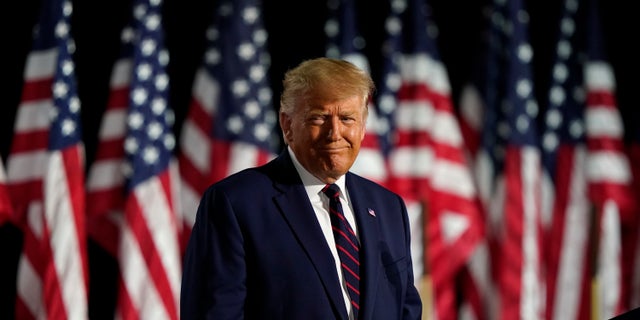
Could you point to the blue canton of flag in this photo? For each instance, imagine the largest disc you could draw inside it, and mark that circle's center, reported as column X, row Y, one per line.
column 231, row 124
column 150, row 141
column 66, row 123
column 238, row 58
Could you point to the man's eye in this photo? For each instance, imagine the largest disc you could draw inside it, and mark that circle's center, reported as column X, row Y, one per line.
column 316, row 119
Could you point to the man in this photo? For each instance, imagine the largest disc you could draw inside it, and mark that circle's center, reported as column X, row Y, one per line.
column 263, row 244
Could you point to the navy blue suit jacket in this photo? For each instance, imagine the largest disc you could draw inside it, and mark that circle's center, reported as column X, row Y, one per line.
column 257, row 252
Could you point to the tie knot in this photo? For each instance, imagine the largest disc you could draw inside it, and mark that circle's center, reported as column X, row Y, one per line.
column 331, row 190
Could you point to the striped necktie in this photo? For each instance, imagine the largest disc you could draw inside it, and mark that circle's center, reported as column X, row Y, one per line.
column 347, row 245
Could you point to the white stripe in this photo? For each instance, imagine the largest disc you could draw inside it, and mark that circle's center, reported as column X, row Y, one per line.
column 471, row 107
column 414, row 211
column 607, row 166
column 161, row 220
column 603, row 122
column 190, row 201
column 480, row 272
column 34, row 115
column 445, row 129
column 30, row 288
column 114, row 124
column 599, row 76
column 105, row 174
column 608, row 275
column 59, row 214
column 532, row 284
column 3, row 173
column 206, row 91
column 573, row 244
column 26, row 166
column 195, row 146
column 414, row 115
column 423, row 68
column 34, row 218
column 370, row 164
column 485, row 175
column 411, row 162
column 121, row 74
column 242, row 155
column 454, row 178
column 41, row 64
column 136, row 278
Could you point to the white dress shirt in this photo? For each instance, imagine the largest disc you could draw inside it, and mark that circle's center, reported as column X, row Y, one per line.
column 320, row 203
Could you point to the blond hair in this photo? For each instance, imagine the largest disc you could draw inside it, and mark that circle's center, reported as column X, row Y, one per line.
column 330, row 79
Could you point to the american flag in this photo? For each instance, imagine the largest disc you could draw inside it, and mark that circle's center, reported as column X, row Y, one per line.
column 634, row 264
column 344, row 41
column 231, row 124
column 564, row 150
column 6, row 210
column 428, row 166
column 509, row 167
column 608, row 171
column 132, row 185
column 46, row 176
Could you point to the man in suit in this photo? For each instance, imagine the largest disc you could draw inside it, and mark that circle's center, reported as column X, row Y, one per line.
column 263, row 245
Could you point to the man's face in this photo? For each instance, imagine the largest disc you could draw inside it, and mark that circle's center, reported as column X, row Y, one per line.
column 326, row 136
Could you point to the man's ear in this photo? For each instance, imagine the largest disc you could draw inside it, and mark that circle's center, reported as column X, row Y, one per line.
column 285, row 125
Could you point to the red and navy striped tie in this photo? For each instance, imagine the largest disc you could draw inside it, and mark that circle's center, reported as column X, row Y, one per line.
column 347, row 245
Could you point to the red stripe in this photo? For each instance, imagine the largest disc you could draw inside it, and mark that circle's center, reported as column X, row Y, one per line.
column 601, row 98
column 510, row 271
column 118, row 99
column 370, row 141
column 74, row 170
column 595, row 143
column 110, row 149
column 345, row 251
column 351, row 272
column 105, row 232
column 39, row 89
column 192, row 176
column 200, row 117
column 136, row 221
column 27, row 141
column 219, row 161
column 22, row 194
column 415, row 139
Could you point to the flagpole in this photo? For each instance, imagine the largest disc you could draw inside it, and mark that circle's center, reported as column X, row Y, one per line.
column 426, row 283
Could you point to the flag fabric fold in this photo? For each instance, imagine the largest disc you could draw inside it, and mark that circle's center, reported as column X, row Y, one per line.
column 133, row 183
column 6, row 209
column 508, row 167
column 608, row 173
column 427, row 162
column 46, row 176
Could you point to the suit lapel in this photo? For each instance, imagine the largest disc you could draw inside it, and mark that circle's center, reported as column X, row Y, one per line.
column 298, row 212
column 369, row 239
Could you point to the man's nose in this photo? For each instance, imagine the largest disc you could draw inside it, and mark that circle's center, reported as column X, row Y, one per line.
column 334, row 128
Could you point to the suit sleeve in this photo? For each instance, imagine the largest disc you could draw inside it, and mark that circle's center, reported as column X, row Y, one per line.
column 214, row 271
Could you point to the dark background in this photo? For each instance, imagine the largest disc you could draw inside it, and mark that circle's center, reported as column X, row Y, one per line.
column 296, row 33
